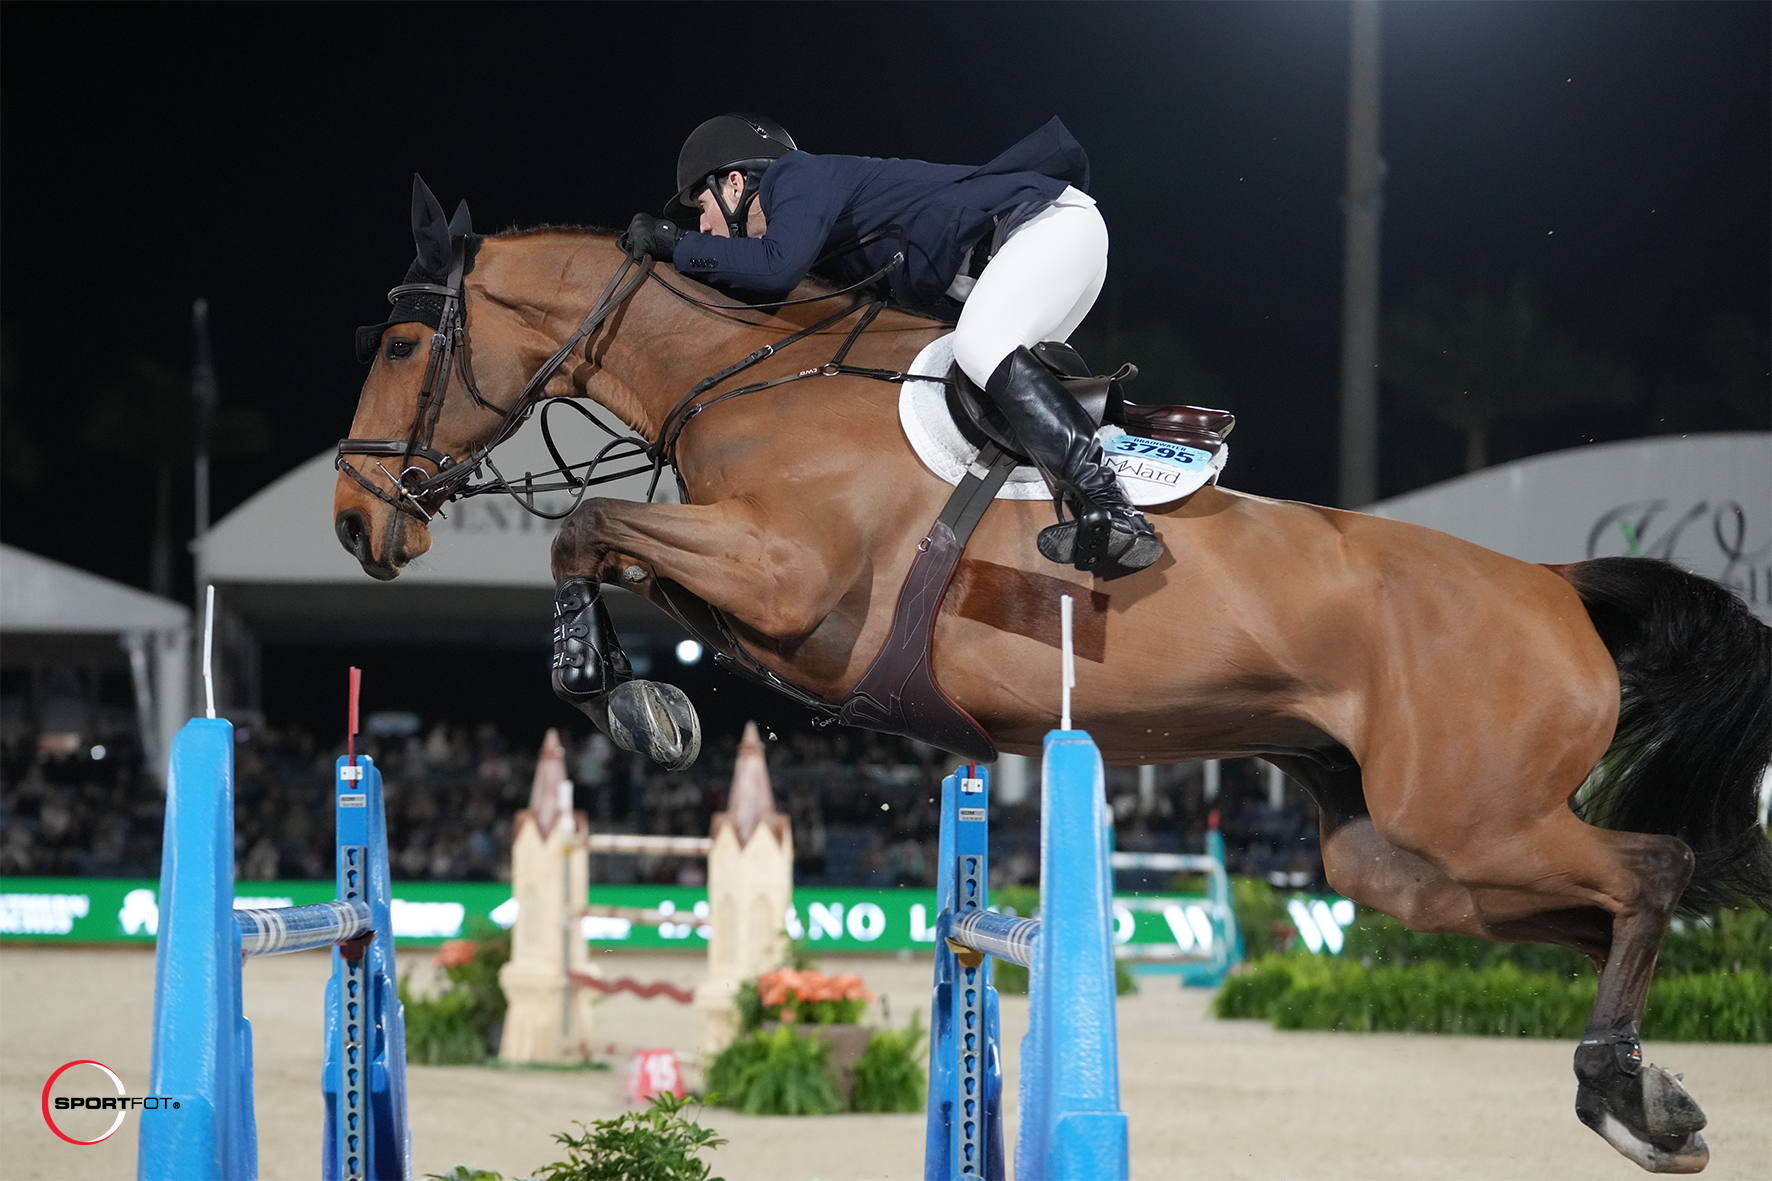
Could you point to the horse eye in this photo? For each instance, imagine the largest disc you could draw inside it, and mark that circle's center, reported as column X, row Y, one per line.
column 399, row 350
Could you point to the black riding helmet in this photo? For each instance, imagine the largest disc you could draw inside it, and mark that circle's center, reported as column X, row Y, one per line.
column 747, row 143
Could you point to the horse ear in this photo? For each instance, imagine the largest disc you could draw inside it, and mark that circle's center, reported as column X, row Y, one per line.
column 429, row 231
column 462, row 224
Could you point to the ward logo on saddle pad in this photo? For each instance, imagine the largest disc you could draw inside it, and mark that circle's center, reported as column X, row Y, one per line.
column 1153, row 471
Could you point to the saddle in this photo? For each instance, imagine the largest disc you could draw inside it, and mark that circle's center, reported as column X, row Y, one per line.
column 1102, row 397
column 898, row 694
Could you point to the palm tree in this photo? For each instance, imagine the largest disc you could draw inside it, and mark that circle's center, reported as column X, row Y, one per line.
column 1474, row 362
column 146, row 418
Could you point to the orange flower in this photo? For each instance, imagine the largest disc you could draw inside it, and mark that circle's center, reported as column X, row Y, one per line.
column 454, row 953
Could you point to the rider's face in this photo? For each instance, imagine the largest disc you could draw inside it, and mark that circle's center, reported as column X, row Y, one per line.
column 714, row 222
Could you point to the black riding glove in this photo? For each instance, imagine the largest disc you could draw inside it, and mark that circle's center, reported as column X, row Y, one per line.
column 651, row 235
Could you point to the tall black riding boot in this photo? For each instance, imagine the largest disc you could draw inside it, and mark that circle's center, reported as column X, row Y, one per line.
column 1108, row 536
column 588, row 660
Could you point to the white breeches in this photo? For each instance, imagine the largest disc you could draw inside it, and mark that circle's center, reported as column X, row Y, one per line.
column 1038, row 286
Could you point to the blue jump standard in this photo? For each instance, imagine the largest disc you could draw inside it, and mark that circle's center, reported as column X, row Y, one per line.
column 203, row 1045
column 1072, row 1128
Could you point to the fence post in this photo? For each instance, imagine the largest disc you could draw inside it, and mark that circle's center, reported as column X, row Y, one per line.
column 965, row 1129
column 202, row 1058
column 1071, row 1125
column 364, row 1078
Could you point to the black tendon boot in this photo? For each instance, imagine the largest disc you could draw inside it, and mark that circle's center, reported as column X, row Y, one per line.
column 1108, row 537
column 592, row 674
column 588, row 660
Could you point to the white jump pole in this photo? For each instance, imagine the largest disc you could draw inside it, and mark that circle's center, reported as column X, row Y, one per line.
column 1070, row 663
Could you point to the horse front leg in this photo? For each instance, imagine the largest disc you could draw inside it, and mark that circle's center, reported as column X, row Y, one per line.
column 722, row 553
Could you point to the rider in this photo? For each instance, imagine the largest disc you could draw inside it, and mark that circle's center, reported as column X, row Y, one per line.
column 1015, row 245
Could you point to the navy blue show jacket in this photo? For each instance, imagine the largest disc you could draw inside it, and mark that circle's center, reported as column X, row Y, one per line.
column 816, row 204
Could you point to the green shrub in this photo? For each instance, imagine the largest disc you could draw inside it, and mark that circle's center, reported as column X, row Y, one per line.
column 1259, row 909
column 1501, row 1000
column 442, row 1030
column 1498, row 1001
column 461, row 1025
column 1251, row 993
column 479, row 978
column 889, row 1075
column 777, row 1073
column 464, row 1173
column 1727, row 941
column 1710, row 1007
column 658, row 1144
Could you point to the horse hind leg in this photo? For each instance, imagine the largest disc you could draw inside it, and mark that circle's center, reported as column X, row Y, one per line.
column 592, row 674
column 1618, row 894
column 1643, row 1111
column 1544, row 881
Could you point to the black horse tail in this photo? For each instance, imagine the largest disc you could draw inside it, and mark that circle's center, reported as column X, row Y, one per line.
column 1694, row 722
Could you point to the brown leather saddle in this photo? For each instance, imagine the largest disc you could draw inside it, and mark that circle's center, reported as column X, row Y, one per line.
column 1104, row 399
column 898, row 694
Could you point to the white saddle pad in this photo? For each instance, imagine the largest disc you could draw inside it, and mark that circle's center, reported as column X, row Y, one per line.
column 1151, row 471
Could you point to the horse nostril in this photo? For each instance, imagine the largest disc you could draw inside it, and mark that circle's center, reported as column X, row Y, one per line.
column 353, row 534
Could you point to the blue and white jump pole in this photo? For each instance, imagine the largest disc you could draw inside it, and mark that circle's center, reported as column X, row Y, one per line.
column 203, row 1044
column 1071, row 1125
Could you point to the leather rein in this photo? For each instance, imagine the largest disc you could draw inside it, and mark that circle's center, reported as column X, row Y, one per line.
column 422, row 494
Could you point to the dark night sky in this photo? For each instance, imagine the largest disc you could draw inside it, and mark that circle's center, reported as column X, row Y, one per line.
column 261, row 156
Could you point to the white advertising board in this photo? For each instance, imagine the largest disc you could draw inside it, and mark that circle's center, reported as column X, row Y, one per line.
column 1703, row 502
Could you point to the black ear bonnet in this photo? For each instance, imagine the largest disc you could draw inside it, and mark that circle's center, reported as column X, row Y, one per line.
column 435, row 239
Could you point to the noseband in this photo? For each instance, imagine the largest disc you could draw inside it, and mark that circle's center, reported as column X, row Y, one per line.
column 422, row 494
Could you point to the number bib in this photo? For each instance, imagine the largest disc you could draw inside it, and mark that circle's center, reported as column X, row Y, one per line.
column 1154, row 472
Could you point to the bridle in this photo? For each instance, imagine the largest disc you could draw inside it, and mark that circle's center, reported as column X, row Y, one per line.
column 422, row 494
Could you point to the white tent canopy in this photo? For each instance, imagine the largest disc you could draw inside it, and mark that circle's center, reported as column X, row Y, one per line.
column 39, row 595
column 46, row 598
column 1703, row 502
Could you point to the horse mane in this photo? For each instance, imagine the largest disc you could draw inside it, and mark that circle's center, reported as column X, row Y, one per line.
column 548, row 227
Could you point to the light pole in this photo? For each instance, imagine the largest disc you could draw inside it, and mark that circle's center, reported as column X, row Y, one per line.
column 1362, row 206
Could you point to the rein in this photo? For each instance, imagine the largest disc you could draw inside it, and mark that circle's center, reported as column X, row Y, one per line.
column 422, row 495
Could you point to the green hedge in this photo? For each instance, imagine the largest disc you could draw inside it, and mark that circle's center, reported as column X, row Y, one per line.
column 1728, row 941
column 1499, row 1000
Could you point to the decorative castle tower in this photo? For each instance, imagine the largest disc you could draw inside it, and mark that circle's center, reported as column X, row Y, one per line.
column 750, row 887
column 548, row 1020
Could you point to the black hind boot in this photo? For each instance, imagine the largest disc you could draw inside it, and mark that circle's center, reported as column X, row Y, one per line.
column 588, row 660
column 592, row 674
column 1108, row 537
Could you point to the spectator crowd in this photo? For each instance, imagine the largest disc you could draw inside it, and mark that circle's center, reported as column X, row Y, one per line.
column 864, row 809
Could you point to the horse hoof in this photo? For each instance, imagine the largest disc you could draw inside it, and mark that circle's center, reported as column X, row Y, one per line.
column 656, row 720
column 1653, row 1121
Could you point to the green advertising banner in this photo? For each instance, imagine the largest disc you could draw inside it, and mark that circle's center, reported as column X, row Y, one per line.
column 122, row 910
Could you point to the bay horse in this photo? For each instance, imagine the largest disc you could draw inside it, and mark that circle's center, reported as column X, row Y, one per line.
column 1519, row 752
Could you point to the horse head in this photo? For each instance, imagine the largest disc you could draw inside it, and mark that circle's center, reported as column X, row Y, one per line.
column 404, row 431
